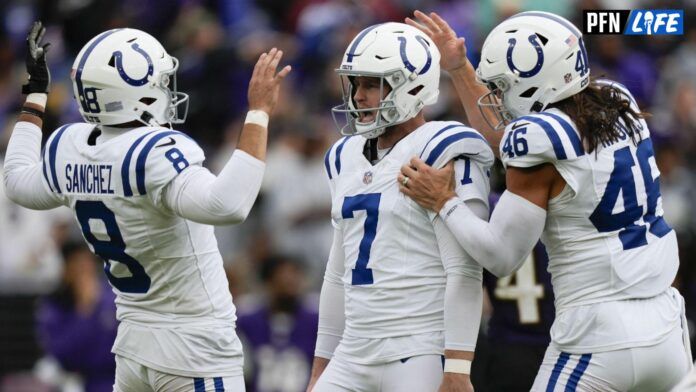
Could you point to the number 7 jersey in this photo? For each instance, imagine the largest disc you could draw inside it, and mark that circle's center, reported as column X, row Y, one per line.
column 604, row 234
column 394, row 279
column 173, row 301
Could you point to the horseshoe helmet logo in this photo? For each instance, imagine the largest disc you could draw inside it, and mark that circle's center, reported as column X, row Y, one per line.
column 404, row 58
column 533, row 39
column 118, row 57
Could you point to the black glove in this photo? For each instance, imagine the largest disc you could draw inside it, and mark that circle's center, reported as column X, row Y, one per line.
column 39, row 76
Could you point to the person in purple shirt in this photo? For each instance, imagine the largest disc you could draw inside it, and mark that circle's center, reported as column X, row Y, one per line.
column 279, row 333
column 77, row 323
column 510, row 354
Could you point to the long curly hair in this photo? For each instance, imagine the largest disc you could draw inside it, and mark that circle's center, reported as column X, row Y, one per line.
column 596, row 112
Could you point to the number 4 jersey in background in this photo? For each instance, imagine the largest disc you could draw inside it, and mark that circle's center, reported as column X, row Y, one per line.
column 173, row 302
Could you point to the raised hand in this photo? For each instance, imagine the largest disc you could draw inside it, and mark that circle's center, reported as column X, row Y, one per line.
column 39, row 76
column 452, row 48
column 265, row 82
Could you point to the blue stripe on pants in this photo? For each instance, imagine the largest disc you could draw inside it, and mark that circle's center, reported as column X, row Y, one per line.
column 198, row 384
column 578, row 372
column 560, row 363
column 219, row 386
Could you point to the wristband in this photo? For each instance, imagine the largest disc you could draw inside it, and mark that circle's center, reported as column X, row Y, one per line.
column 32, row 111
column 258, row 117
column 461, row 366
column 37, row 99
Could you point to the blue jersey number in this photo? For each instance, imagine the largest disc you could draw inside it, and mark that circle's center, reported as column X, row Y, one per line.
column 515, row 143
column 466, row 179
column 621, row 181
column 176, row 157
column 370, row 203
column 112, row 250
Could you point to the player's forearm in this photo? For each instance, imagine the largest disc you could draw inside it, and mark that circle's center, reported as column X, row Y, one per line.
column 501, row 245
column 331, row 319
column 469, row 91
column 463, row 307
column 318, row 366
column 254, row 137
column 33, row 109
column 202, row 197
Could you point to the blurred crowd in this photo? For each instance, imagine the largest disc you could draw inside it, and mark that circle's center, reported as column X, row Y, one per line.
column 56, row 311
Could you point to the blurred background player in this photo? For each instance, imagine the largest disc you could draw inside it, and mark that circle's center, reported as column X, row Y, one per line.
column 570, row 147
column 80, row 313
column 517, row 332
column 144, row 203
column 279, row 330
column 398, row 291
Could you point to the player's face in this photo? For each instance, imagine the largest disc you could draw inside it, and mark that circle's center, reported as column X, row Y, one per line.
column 367, row 93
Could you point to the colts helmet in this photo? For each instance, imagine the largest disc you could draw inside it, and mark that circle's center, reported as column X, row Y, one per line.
column 404, row 59
column 529, row 61
column 125, row 75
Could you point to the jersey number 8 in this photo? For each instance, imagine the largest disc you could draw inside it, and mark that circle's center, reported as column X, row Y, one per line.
column 113, row 249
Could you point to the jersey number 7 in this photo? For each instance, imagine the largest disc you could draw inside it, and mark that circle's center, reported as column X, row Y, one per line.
column 370, row 203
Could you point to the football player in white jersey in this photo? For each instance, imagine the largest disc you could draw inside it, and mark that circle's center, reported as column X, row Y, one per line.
column 580, row 174
column 145, row 203
column 398, row 291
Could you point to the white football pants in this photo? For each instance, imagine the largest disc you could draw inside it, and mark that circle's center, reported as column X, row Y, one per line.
column 422, row 373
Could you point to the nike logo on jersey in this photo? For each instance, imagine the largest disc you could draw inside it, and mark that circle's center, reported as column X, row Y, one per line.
column 171, row 142
column 517, row 125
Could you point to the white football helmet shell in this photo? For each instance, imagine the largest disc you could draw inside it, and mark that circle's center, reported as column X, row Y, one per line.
column 125, row 75
column 529, row 61
column 402, row 57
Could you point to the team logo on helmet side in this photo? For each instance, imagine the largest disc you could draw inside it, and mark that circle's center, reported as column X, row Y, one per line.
column 118, row 58
column 540, row 57
column 404, row 58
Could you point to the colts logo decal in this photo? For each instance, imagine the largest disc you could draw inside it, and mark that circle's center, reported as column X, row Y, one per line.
column 118, row 56
column 540, row 57
column 409, row 66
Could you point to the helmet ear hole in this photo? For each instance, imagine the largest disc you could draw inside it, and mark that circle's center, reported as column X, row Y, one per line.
column 415, row 90
column 528, row 92
column 112, row 61
column 543, row 39
column 147, row 100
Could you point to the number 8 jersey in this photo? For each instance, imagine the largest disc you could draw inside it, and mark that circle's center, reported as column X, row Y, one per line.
column 175, row 310
column 604, row 234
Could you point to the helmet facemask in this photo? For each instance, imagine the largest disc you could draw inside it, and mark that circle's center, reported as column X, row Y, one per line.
column 386, row 114
column 178, row 102
column 494, row 100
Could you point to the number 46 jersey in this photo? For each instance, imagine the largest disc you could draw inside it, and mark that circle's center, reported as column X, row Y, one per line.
column 604, row 234
column 175, row 310
column 393, row 277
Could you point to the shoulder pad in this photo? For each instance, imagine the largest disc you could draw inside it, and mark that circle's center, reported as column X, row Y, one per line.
column 454, row 141
column 539, row 138
column 156, row 158
column 332, row 159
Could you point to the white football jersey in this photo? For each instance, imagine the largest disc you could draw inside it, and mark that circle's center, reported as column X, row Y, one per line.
column 394, row 279
column 173, row 301
column 605, row 234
